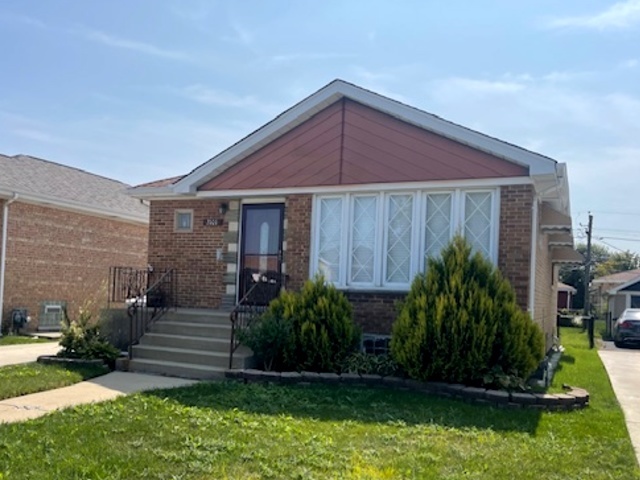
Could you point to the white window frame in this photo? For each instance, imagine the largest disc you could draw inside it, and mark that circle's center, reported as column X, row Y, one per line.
column 413, row 264
column 418, row 233
column 177, row 213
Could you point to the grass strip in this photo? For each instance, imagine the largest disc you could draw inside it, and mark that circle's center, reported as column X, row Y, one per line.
column 230, row 430
column 21, row 340
column 17, row 380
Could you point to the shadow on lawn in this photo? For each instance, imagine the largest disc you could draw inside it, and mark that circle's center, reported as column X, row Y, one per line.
column 366, row 405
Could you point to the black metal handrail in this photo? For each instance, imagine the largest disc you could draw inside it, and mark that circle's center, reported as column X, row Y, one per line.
column 263, row 288
column 148, row 307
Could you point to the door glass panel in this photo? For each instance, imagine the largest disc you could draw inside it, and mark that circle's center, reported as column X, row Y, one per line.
column 261, row 248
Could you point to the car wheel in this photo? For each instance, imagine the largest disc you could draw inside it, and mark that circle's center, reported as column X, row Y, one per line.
column 618, row 343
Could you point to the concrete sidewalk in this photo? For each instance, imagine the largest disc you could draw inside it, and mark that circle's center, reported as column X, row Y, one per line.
column 29, row 352
column 623, row 367
column 107, row 387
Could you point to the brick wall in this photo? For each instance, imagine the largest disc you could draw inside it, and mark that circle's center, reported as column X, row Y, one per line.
column 194, row 255
column 58, row 255
column 544, row 291
column 298, row 238
column 514, row 253
column 375, row 312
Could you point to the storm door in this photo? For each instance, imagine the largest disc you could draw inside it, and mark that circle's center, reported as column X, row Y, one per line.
column 261, row 252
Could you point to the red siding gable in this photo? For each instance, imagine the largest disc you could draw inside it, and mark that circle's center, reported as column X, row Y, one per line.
column 349, row 143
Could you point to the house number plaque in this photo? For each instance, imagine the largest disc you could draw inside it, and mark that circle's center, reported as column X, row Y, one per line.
column 213, row 222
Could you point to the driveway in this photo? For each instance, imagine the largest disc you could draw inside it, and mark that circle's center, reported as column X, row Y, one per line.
column 13, row 354
column 623, row 367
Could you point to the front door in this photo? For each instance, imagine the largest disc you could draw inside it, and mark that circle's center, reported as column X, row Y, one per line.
column 261, row 252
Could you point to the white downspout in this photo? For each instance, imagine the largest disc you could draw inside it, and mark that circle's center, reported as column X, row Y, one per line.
column 3, row 253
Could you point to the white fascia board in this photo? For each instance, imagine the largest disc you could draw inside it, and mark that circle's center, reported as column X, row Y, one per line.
column 79, row 207
column 617, row 289
column 537, row 164
column 150, row 192
column 368, row 187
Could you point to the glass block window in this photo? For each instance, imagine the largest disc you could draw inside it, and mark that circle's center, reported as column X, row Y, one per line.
column 184, row 220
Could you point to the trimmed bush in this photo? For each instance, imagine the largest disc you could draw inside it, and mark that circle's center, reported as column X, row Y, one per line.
column 319, row 323
column 460, row 322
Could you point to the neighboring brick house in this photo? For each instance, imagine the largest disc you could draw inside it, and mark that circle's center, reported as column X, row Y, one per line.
column 361, row 188
column 64, row 228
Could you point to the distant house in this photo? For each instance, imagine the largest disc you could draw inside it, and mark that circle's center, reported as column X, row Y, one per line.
column 617, row 291
column 62, row 228
column 362, row 189
column 565, row 295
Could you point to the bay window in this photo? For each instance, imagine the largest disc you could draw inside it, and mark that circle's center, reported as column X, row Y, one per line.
column 381, row 240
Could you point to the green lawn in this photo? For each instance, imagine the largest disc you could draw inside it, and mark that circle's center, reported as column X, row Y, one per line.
column 16, row 380
column 19, row 340
column 229, row 430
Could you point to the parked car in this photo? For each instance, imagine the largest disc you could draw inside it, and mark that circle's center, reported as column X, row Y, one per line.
column 627, row 327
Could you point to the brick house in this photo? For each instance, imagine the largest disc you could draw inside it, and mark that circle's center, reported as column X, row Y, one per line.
column 360, row 188
column 62, row 228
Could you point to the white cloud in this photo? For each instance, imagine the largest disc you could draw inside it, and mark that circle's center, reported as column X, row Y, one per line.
column 23, row 19
column 631, row 63
column 134, row 45
column 620, row 15
column 483, row 86
column 241, row 35
column 212, row 96
column 295, row 57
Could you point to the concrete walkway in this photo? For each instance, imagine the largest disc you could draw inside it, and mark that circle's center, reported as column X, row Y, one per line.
column 29, row 352
column 623, row 367
column 107, row 387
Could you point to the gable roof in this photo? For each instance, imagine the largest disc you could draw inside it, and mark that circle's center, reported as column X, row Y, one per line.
column 538, row 165
column 43, row 182
column 618, row 278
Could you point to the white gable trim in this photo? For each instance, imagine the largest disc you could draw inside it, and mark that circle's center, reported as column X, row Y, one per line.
column 617, row 289
column 338, row 89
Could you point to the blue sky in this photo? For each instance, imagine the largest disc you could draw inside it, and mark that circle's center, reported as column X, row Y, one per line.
column 144, row 90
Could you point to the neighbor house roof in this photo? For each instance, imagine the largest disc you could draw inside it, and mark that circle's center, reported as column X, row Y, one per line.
column 43, row 182
column 563, row 287
column 618, row 278
column 550, row 176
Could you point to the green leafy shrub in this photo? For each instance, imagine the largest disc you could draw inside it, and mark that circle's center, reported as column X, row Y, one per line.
column 83, row 339
column 460, row 322
column 370, row 364
column 271, row 340
column 319, row 322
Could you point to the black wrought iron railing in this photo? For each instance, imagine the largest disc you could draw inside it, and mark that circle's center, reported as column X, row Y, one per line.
column 260, row 289
column 146, row 295
column 126, row 283
column 156, row 300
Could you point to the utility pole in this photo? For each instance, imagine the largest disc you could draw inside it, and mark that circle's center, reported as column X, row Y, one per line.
column 587, row 279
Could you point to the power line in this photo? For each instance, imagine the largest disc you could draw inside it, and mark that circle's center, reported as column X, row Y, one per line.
column 632, row 214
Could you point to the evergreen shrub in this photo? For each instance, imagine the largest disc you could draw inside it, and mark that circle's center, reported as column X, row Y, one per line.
column 318, row 323
column 460, row 323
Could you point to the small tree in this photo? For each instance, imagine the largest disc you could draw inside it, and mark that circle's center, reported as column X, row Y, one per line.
column 460, row 321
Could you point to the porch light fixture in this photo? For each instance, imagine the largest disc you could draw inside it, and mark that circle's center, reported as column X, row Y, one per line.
column 223, row 208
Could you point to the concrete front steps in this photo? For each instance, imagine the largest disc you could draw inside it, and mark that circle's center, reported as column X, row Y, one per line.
column 189, row 343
